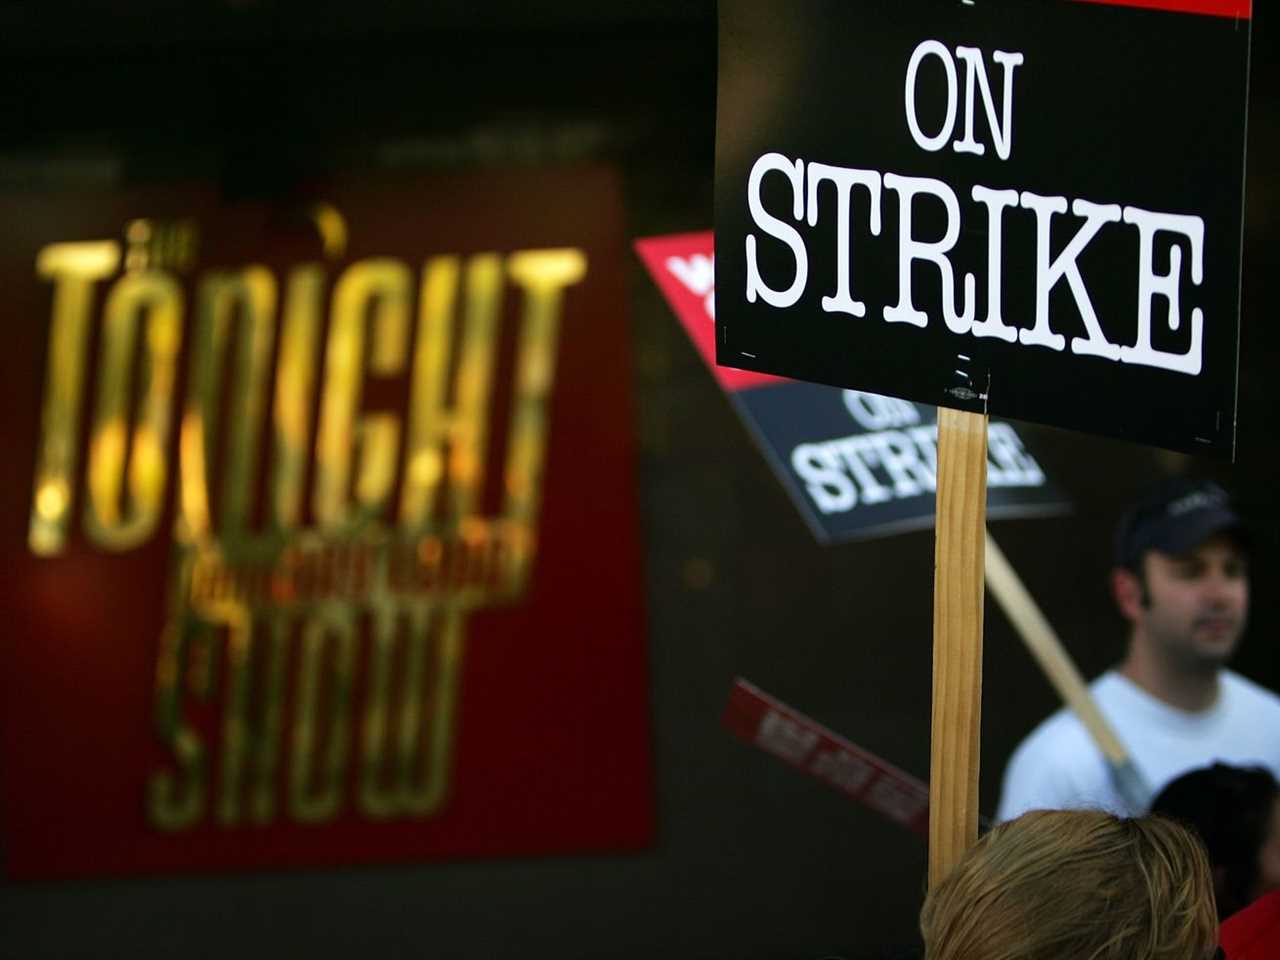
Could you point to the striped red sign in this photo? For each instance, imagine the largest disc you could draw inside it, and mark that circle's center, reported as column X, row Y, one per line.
column 1238, row 9
column 805, row 744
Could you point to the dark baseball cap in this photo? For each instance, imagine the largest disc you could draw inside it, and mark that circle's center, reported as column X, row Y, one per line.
column 1177, row 516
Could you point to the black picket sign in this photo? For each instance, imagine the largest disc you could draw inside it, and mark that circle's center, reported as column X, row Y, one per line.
column 860, row 465
column 1028, row 208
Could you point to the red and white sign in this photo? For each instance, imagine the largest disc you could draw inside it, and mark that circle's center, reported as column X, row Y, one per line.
column 683, row 266
column 789, row 735
column 1237, row 9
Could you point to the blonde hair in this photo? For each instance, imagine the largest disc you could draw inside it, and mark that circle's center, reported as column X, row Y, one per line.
column 1075, row 885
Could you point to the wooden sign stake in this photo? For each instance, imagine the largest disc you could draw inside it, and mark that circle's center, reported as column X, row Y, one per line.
column 1061, row 670
column 957, row 637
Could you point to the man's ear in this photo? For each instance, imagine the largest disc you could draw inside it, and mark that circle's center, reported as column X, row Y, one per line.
column 1126, row 588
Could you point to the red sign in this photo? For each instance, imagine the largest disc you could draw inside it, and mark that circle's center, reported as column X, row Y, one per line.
column 798, row 740
column 320, row 528
column 683, row 265
column 1237, row 9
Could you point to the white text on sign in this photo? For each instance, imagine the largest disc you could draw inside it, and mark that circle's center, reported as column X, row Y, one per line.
column 860, row 193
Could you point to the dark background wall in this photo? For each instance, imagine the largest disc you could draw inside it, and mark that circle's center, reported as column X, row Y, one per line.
column 752, row 860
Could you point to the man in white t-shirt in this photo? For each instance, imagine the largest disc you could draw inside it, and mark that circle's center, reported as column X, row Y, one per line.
column 1181, row 580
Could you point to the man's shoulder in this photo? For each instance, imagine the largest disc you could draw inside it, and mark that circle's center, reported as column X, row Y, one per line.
column 1063, row 729
column 1246, row 690
column 1061, row 736
column 1057, row 765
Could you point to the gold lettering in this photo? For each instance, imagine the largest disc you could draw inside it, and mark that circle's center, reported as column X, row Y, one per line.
column 384, row 285
column 423, row 733
column 266, row 756
column 377, row 801
column 73, row 268
column 321, row 800
column 543, row 274
column 176, row 801
column 332, row 227
column 235, row 720
column 107, row 522
column 426, row 795
column 251, row 738
column 295, row 381
column 431, row 423
column 250, row 292
column 238, row 595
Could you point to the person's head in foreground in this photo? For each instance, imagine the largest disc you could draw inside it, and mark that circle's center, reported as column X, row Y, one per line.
column 1075, row 885
column 1236, row 811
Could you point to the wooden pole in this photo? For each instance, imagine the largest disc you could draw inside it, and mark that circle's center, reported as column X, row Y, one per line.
column 1044, row 645
column 1061, row 670
column 957, row 637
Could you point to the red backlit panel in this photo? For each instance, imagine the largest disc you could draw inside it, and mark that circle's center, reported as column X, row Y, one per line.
column 319, row 528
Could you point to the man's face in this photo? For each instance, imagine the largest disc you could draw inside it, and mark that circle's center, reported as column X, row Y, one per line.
column 1196, row 603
